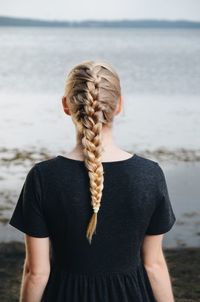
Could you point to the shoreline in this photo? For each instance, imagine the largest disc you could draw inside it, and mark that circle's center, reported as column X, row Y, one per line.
column 181, row 175
column 162, row 154
column 183, row 264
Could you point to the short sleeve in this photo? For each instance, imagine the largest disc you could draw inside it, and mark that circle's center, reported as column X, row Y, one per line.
column 28, row 216
column 163, row 217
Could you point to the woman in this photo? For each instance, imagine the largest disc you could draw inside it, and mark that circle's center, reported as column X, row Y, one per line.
column 70, row 254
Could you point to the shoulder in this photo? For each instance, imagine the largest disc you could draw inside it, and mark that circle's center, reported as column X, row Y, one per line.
column 149, row 168
column 46, row 165
column 146, row 162
column 153, row 171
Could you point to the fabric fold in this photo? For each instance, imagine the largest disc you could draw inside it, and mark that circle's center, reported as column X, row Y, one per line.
column 129, row 286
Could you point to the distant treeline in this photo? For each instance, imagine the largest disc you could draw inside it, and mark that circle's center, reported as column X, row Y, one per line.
column 12, row 21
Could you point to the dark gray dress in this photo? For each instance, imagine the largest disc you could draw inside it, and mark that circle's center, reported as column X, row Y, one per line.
column 55, row 202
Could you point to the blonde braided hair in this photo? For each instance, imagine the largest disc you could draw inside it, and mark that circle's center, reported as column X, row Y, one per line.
column 92, row 90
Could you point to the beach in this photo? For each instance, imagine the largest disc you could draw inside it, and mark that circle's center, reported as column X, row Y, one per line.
column 182, row 176
column 159, row 71
column 181, row 244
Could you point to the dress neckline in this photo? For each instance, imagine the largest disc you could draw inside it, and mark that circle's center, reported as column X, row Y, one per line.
column 103, row 162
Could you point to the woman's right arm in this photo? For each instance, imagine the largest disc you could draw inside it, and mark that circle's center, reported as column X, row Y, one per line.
column 156, row 267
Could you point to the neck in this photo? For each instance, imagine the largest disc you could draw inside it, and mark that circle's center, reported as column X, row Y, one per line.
column 108, row 142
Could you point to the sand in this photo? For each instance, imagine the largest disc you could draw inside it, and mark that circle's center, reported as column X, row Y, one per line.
column 183, row 264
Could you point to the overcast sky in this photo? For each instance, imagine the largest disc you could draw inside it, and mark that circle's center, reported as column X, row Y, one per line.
column 102, row 9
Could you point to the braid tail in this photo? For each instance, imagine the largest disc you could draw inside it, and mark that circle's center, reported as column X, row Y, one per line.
column 92, row 226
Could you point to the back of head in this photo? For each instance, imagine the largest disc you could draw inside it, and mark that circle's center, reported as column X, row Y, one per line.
column 92, row 92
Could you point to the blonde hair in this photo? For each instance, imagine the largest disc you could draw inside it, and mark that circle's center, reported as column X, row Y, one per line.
column 92, row 91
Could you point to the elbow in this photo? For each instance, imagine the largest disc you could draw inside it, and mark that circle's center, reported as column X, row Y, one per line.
column 37, row 278
column 154, row 269
column 35, row 275
column 42, row 271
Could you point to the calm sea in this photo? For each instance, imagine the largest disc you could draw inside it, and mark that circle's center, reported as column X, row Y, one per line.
column 160, row 79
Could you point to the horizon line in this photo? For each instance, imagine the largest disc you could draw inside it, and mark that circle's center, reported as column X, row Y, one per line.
column 100, row 20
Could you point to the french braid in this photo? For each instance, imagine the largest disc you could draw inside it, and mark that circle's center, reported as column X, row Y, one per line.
column 92, row 99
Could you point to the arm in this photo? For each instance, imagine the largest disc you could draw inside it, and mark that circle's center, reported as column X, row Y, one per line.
column 36, row 269
column 156, row 267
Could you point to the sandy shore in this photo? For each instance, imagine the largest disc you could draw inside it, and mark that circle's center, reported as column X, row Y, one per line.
column 183, row 264
column 16, row 156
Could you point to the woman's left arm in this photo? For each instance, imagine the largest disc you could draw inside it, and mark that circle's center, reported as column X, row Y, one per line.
column 36, row 269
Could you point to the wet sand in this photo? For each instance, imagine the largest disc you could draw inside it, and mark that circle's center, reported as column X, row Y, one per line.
column 183, row 264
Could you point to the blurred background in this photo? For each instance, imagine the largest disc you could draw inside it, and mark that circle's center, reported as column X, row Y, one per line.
column 155, row 48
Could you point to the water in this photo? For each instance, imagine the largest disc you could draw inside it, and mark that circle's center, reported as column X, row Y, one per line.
column 160, row 77
column 150, row 61
column 159, row 72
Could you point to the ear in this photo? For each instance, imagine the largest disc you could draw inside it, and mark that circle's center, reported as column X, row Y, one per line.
column 65, row 105
column 119, row 105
